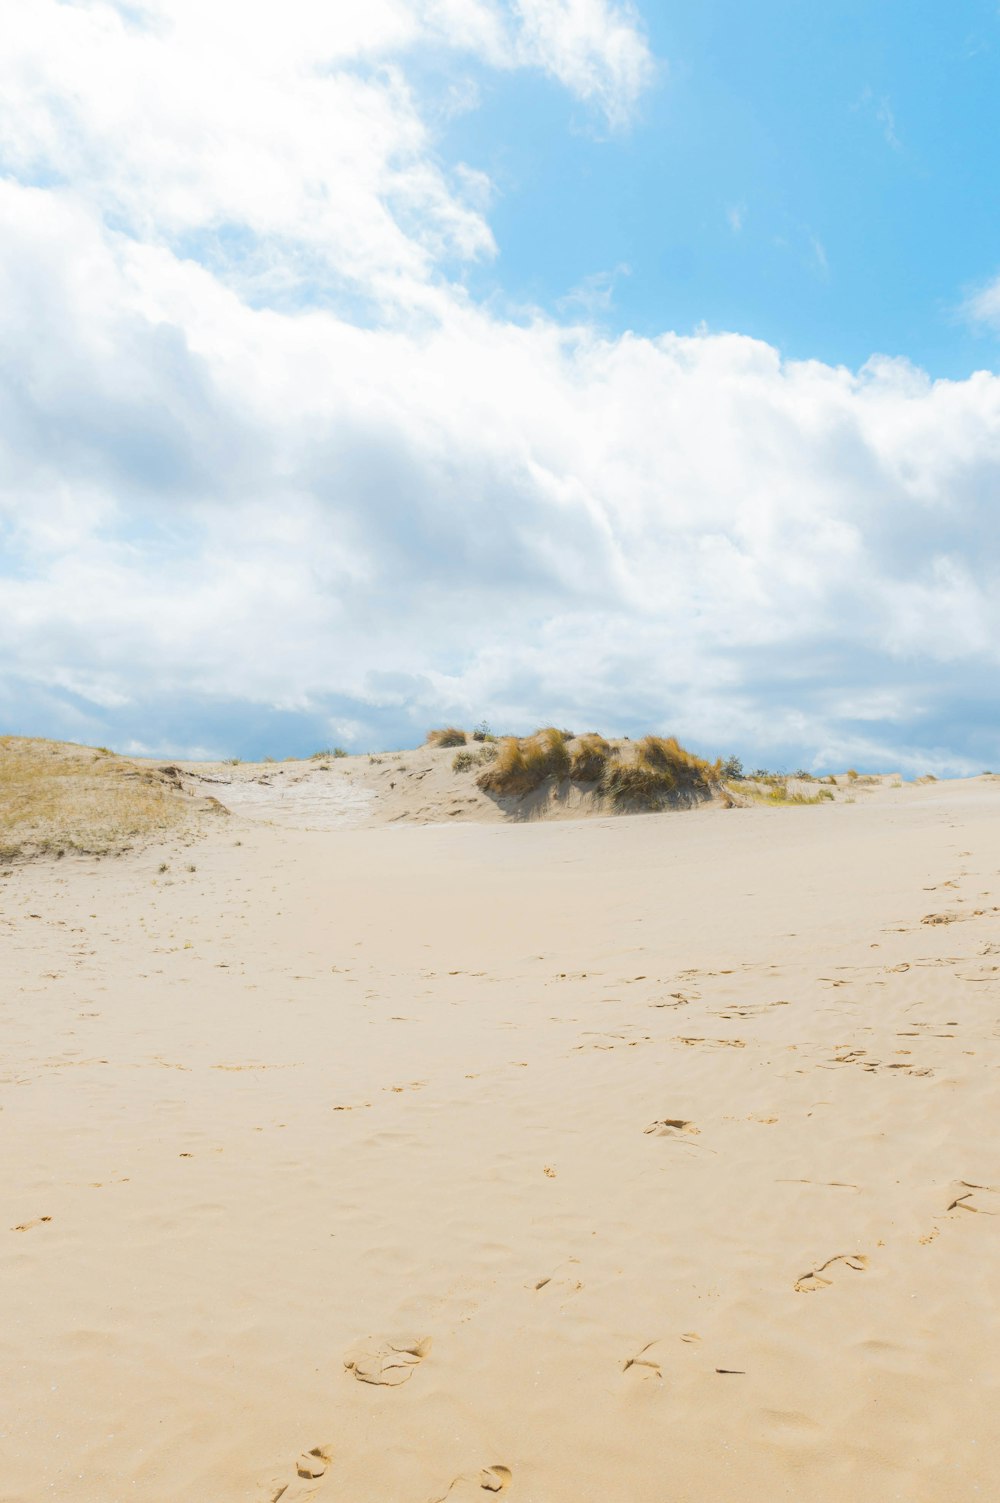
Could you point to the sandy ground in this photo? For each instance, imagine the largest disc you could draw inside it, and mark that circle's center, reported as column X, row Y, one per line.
column 649, row 1159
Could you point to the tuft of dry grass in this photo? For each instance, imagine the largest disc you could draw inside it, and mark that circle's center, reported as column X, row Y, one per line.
column 777, row 793
column 522, row 765
column 645, row 774
column 450, row 735
column 57, row 797
column 659, row 770
column 589, row 758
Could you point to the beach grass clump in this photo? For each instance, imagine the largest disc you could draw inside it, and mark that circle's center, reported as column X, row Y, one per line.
column 56, row 797
column 777, row 793
column 589, row 758
column 449, row 735
column 463, row 760
column 522, row 764
column 659, row 770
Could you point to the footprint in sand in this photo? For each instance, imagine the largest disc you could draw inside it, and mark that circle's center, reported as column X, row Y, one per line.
column 492, row 1479
column 562, row 1283
column 810, row 1282
column 983, row 1199
column 711, row 1043
column 387, row 1362
column 643, row 1365
column 309, row 1468
column 672, row 1127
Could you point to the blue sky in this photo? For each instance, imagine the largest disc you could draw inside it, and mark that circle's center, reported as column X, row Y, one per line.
column 377, row 364
column 818, row 176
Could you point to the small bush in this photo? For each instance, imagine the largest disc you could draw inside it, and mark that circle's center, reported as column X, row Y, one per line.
column 852, row 775
column 589, row 759
column 488, row 752
column 232, row 762
column 732, row 767
column 483, row 732
column 462, row 761
column 449, row 736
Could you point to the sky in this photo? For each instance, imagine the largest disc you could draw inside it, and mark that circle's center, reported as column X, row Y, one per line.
column 371, row 365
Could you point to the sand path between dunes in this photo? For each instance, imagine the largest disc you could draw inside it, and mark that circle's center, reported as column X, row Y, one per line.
column 649, row 1159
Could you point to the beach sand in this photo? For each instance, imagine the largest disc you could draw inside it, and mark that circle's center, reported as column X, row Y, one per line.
column 649, row 1159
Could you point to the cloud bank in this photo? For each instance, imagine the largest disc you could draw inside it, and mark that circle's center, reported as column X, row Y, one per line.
column 270, row 477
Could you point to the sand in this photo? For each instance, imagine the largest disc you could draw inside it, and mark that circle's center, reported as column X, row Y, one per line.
column 374, row 1161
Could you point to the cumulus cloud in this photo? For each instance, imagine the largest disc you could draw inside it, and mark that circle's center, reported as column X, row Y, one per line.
column 269, row 474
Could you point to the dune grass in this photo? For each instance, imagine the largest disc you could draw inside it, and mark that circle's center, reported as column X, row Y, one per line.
column 658, row 770
column 643, row 774
column 589, row 758
column 777, row 793
column 449, row 735
column 56, row 797
column 522, row 764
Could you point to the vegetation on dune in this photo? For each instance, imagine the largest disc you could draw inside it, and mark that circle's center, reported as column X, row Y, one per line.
column 589, row 758
column 780, row 793
column 522, row 764
column 659, row 770
column 450, row 735
column 56, row 797
column 647, row 774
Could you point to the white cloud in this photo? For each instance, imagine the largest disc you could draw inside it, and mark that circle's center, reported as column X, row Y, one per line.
column 232, row 489
column 597, row 50
column 983, row 307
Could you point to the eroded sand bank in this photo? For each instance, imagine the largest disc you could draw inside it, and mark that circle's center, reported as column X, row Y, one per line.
column 649, row 1159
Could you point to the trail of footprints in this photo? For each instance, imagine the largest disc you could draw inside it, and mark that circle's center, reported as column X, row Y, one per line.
column 392, row 1363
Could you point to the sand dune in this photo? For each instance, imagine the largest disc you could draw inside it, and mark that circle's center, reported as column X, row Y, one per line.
column 368, row 1160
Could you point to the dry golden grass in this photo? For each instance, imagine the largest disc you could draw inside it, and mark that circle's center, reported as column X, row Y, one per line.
column 57, row 797
column 645, row 774
column 520, row 766
column 658, row 770
column 449, row 736
column 589, row 758
column 776, row 791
